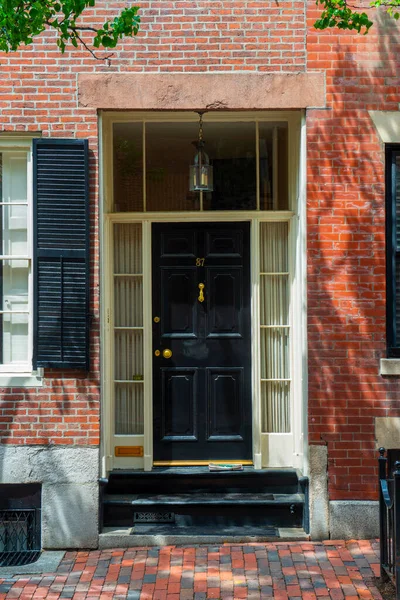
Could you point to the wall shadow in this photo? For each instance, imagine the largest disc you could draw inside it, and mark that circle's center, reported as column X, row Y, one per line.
column 346, row 253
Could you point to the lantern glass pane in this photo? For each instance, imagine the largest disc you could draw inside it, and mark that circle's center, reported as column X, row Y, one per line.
column 201, row 177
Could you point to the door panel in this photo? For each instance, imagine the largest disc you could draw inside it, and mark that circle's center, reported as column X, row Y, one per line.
column 224, row 302
column 224, row 243
column 201, row 293
column 225, row 404
column 178, row 244
column 178, row 317
column 179, row 387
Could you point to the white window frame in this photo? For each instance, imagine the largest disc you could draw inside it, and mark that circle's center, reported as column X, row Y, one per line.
column 22, row 374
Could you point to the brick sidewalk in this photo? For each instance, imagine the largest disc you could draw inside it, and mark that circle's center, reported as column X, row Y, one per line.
column 308, row 571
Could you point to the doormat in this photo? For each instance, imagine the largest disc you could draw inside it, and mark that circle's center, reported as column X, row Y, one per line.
column 224, row 467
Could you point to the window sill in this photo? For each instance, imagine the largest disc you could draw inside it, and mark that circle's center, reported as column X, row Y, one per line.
column 20, row 380
column 390, row 366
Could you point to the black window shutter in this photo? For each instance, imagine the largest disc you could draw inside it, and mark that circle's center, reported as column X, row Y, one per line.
column 61, row 253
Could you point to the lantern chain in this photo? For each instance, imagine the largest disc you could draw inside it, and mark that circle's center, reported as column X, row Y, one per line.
column 200, row 127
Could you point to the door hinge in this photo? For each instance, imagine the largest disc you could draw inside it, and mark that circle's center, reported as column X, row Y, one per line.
column 108, row 316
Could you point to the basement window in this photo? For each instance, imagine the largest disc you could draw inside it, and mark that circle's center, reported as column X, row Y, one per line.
column 20, row 524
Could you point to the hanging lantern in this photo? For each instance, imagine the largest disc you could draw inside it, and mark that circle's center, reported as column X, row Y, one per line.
column 201, row 172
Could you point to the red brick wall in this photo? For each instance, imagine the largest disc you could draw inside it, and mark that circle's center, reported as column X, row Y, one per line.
column 345, row 206
column 38, row 93
column 346, row 252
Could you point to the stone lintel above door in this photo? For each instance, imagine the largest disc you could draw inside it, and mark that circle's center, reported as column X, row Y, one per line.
column 209, row 91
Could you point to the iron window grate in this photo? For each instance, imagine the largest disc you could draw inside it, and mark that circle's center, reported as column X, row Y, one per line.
column 19, row 540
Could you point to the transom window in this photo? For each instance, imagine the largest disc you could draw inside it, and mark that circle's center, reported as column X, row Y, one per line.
column 151, row 164
column 15, row 263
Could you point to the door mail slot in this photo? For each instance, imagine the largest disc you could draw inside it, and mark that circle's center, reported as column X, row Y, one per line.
column 129, row 451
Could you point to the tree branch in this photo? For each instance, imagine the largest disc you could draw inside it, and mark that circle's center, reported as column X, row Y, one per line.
column 89, row 49
column 22, row 20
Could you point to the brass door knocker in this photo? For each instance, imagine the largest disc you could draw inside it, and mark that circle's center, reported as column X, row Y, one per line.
column 201, row 294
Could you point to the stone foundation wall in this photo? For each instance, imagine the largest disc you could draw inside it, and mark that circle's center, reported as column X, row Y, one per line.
column 69, row 478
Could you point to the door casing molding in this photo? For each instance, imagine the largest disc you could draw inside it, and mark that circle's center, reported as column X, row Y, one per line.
column 261, row 441
column 297, row 258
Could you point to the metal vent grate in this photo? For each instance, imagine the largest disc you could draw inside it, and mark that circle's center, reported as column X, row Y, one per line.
column 19, row 540
column 154, row 517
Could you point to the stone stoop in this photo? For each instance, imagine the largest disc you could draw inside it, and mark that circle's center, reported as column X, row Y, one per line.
column 188, row 503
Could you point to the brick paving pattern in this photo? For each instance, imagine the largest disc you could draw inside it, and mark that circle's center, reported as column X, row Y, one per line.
column 303, row 571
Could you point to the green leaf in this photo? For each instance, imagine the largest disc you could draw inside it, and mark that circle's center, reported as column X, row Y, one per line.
column 22, row 20
column 336, row 13
column 106, row 41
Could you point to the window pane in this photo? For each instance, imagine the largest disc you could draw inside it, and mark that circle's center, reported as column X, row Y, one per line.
column 13, row 219
column 275, row 406
column 129, row 408
column 274, row 299
column 128, row 166
column 169, row 154
column 14, row 284
column 273, row 166
column 13, row 231
column 13, row 179
column 396, row 307
column 274, row 353
column 397, row 200
column 14, row 327
column 128, row 301
column 129, row 355
column 14, row 338
column 231, row 148
column 274, row 248
column 128, row 248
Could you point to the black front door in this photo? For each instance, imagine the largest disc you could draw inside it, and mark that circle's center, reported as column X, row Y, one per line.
column 201, row 314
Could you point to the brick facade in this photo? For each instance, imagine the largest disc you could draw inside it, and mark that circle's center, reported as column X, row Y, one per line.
column 346, row 217
column 38, row 92
column 346, row 252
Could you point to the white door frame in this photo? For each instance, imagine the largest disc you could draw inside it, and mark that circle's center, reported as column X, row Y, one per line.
column 262, row 443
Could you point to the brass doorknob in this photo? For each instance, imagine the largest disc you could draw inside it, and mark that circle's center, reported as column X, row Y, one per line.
column 167, row 353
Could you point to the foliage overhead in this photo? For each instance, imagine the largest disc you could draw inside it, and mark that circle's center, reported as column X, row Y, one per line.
column 344, row 14
column 22, row 20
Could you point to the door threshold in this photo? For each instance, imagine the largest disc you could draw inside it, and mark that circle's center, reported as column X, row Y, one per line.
column 199, row 463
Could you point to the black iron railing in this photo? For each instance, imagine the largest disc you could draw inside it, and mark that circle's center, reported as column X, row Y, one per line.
column 19, row 537
column 389, row 519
